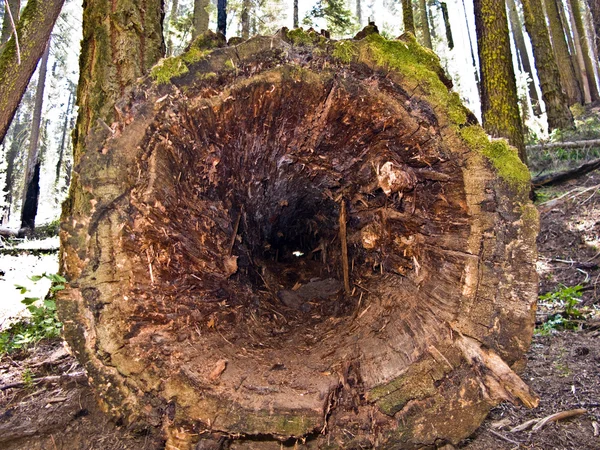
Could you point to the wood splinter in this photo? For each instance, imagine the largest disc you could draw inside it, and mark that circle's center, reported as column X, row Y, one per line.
column 344, row 244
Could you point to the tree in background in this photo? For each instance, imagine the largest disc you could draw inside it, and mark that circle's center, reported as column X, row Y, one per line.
column 594, row 6
column 222, row 17
column 169, row 24
column 516, row 27
column 245, row 18
column 557, row 109
column 296, row 23
column 7, row 29
column 408, row 18
column 31, row 189
column 499, row 100
column 200, row 17
column 424, row 24
column 586, row 66
column 339, row 18
column 34, row 28
column 562, row 56
column 358, row 13
column 447, row 27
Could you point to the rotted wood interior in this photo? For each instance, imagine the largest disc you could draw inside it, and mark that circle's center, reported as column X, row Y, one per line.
column 297, row 252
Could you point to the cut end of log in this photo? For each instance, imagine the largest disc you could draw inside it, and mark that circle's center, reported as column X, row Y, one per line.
column 292, row 238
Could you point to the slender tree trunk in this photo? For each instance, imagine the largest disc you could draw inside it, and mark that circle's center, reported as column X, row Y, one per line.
column 568, row 77
column 408, row 17
column 245, row 18
column 296, row 23
column 34, row 28
column 11, row 158
column 15, row 9
column 31, row 186
column 583, row 50
column 499, row 100
column 172, row 17
column 446, row 17
column 63, row 139
column 358, row 12
column 517, row 30
column 200, row 17
column 222, row 17
column 557, row 109
column 425, row 24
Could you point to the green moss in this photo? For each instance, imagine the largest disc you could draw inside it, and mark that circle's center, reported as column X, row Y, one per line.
column 503, row 157
column 194, row 54
column 167, row 69
column 345, row 51
column 201, row 76
column 420, row 68
column 301, row 37
column 208, row 41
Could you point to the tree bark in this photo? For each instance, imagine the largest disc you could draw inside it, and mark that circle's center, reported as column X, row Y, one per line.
column 7, row 29
column 200, row 17
column 425, row 24
column 11, row 159
column 448, row 27
column 245, row 18
column 499, row 100
column 31, row 186
column 595, row 11
column 583, row 50
column 222, row 17
column 34, row 29
column 557, row 109
column 408, row 17
column 205, row 262
column 296, row 22
column 563, row 58
column 358, row 12
column 517, row 30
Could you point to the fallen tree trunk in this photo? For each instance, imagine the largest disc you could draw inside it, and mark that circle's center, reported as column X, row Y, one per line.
column 566, row 144
column 301, row 240
column 565, row 175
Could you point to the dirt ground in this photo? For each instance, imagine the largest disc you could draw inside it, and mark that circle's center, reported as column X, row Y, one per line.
column 50, row 406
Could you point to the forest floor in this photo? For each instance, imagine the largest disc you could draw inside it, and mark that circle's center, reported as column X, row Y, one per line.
column 50, row 406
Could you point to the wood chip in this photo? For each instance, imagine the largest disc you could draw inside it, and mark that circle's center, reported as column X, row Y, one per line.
column 218, row 370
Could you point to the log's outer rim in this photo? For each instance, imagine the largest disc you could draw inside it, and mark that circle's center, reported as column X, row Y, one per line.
column 514, row 216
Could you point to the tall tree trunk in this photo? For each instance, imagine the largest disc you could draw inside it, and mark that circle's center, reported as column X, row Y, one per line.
column 31, row 186
column 34, row 28
column 358, row 12
column 583, row 49
column 11, row 158
column 567, row 20
column 186, row 301
column 517, row 30
column 7, row 29
column 296, row 22
column 568, row 77
column 557, row 109
column 222, row 17
column 425, row 24
column 499, row 100
column 200, row 17
column 408, row 17
column 245, row 18
column 63, row 139
column 448, row 27
column 595, row 11
column 168, row 23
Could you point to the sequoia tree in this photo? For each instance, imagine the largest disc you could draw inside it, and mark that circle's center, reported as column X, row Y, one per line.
column 557, row 108
column 297, row 240
column 33, row 29
column 499, row 100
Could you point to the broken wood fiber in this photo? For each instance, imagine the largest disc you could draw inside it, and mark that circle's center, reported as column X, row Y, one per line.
column 299, row 238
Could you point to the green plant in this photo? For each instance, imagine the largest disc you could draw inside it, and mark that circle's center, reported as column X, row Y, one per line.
column 42, row 323
column 567, row 298
column 28, row 378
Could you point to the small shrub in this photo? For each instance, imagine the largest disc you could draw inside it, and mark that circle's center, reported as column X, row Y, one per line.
column 566, row 298
column 43, row 322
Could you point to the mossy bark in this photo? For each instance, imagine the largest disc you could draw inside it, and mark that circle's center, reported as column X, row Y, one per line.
column 204, row 265
column 408, row 18
column 200, row 17
column 564, row 60
column 499, row 100
column 34, row 29
column 557, row 109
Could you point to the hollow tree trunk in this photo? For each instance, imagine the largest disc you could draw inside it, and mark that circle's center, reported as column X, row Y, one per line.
column 323, row 250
